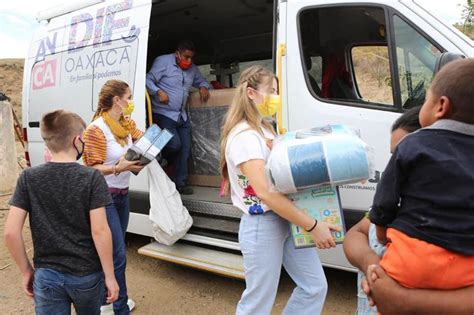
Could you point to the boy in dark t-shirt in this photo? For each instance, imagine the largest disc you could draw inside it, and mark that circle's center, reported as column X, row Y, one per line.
column 424, row 203
column 65, row 203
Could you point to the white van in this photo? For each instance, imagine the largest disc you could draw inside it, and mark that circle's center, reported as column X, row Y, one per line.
column 353, row 62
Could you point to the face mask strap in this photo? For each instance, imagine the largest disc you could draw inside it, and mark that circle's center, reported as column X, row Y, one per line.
column 79, row 154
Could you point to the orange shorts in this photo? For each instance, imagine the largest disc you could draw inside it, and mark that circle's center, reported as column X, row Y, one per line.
column 417, row 264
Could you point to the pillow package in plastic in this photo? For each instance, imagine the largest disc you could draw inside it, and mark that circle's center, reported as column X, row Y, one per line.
column 332, row 154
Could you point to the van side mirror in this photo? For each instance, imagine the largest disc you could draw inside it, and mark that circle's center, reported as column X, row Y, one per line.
column 446, row 58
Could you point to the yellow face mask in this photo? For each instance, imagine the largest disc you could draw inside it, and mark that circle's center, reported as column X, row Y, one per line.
column 127, row 111
column 270, row 105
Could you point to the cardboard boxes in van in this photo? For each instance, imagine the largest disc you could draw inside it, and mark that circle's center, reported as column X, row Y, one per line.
column 206, row 119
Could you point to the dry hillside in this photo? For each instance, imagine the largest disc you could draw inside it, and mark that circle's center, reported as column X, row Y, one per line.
column 11, row 78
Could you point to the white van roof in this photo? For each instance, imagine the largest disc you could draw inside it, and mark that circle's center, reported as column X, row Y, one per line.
column 64, row 8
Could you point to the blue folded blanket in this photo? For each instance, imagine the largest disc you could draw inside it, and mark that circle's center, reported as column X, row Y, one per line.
column 331, row 154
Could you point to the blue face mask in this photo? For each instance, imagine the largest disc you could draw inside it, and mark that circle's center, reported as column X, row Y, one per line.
column 79, row 154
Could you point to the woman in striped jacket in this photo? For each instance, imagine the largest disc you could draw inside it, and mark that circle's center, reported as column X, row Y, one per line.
column 107, row 139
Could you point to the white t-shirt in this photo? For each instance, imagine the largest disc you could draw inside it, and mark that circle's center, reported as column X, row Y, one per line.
column 244, row 144
column 113, row 155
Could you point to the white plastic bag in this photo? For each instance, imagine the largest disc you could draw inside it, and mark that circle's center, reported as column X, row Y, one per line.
column 171, row 220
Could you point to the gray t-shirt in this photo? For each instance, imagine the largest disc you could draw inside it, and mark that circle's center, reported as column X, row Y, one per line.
column 58, row 198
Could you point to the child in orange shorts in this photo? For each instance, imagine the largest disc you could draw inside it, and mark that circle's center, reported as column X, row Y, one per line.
column 424, row 204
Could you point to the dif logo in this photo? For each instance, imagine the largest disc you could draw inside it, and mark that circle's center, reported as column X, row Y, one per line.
column 44, row 74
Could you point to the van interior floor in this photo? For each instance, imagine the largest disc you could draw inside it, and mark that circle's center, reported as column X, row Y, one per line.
column 210, row 194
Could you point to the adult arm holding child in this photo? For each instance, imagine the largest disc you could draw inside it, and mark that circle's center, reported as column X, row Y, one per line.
column 389, row 296
column 356, row 246
column 392, row 298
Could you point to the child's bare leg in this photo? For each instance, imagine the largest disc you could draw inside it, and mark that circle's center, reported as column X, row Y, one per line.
column 381, row 232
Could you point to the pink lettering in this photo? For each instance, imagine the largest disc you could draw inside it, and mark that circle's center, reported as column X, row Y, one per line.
column 44, row 74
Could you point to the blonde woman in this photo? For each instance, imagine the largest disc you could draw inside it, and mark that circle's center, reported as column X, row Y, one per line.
column 264, row 235
column 107, row 139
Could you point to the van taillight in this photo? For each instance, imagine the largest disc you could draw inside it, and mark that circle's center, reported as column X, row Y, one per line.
column 27, row 154
column 27, row 158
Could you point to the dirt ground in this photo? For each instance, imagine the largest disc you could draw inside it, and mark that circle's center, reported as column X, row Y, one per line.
column 160, row 287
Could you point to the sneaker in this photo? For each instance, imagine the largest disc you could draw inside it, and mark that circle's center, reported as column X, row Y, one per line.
column 108, row 309
column 185, row 190
column 131, row 304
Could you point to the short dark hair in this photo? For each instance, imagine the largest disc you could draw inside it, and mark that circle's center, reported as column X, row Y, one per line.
column 59, row 127
column 408, row 121
column 454, row 81
column 186, row 45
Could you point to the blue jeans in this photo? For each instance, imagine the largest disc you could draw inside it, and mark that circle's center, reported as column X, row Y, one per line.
column 54, row 291
column 177, row 151
column 266, row 244
column 117, row 216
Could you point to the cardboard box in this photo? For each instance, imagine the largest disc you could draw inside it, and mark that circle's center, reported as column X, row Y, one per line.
column 206, row 122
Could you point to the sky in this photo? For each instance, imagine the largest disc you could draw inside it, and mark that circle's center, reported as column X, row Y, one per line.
column 18, row 21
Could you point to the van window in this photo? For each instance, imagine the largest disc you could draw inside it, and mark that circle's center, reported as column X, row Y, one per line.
column 416, row 59
column 346, row 62
column 372, row 69
column 316, row 69
column 356, row 67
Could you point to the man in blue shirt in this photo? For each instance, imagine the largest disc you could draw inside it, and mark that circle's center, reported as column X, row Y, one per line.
column 168, row 82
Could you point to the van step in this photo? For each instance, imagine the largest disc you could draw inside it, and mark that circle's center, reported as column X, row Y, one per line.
column 212, row 208
column 211, row 241
column 222, row 263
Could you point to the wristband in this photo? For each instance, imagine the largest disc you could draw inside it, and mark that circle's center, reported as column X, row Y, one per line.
column 114, row 170
column 314, row 225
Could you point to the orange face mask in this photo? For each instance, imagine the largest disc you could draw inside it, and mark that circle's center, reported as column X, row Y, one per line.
column 184, row 64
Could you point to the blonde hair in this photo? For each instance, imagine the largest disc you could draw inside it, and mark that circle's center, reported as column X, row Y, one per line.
column 110, row 89
column 243, row 109
column 59, row 127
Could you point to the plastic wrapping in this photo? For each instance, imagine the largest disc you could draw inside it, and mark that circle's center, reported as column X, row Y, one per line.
column 322, row 131
column 149, row 145
column 206, row 125
column 332, row 154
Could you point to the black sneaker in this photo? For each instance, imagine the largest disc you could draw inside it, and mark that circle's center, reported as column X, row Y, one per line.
column 185, row 190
